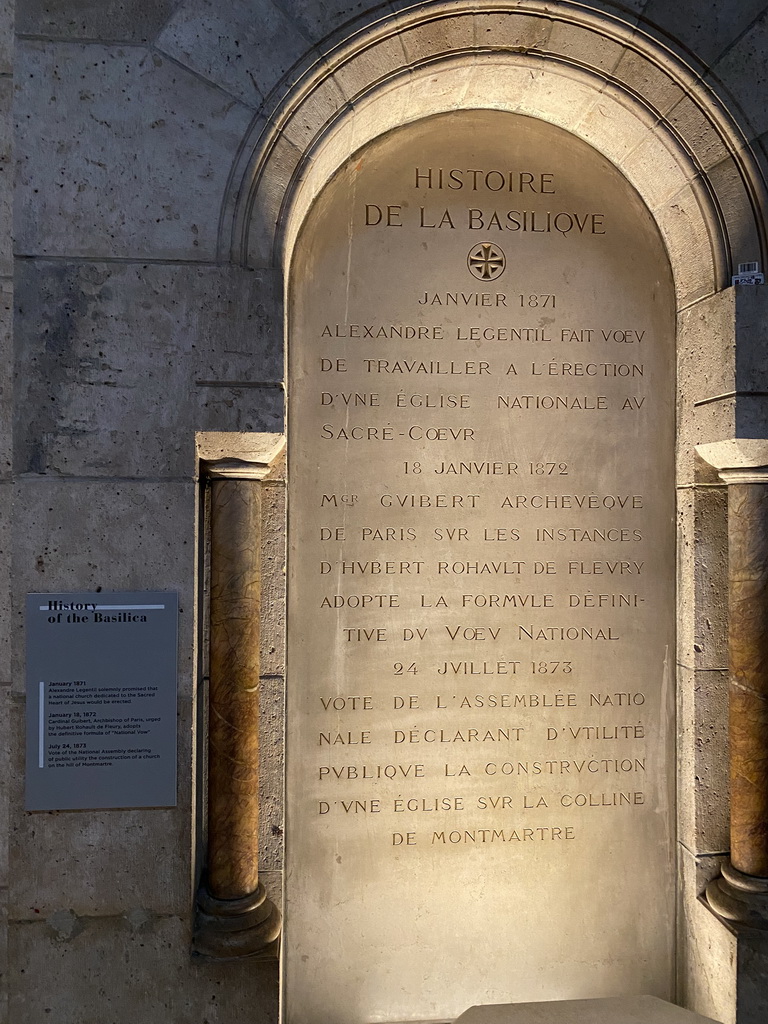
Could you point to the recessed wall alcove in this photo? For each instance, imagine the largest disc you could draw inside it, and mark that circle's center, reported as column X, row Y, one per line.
column 642, row 108
column 480, row 695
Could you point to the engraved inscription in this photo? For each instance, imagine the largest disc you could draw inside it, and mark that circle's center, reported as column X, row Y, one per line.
column 478, row 666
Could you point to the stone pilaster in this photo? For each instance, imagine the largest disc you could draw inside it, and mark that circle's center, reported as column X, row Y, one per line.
column 235, row 918
column 740, row 894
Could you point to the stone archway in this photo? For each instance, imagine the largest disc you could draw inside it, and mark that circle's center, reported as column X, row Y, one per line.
column 622, row 92
column 672, row 137
column 480, row 724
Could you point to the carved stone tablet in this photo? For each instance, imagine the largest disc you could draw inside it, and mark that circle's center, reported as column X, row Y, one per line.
column 480, row 660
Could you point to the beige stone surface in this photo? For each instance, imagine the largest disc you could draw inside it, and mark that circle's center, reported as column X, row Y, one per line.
column 6, row 171
column 273, row 884
column 702, row 129
column 681, row 222
column 6, row 405
column 741, row 67
column 156, row 979
column 703, row 804
column 526, row 32
column 706, row 342
column 361, row 438
column 7, row 739
column 691, row 122
column 284, row 160
column 97, row 863
column 751, row 416
column 271, row 731
column 316, row 21
column 706, row 377
column 6, row 378
column 565, row 105
column 72, row 536
column 637, row 72
column 129, row 20
column 652, row 154
column 707, row 968
column 703, row 577
column 737, row 455
column 117, row 180
column 751, row 325
column 325, row 102
column 563, row 96
column 713, row 371
column 700, row 423
column 4, row 972
column 126, row 176
column 272, row 698
column 6, row 618
column 7, row 19
column 242, row 51
column 273, row 580
column 376, row 61
column 726, row 179
column 90, row 385
column 585, row 46
column 707, row 29
column 440, row 35
column 753, row 970
column 613, row 129
column 622, row 1010
column 702, row 674
column 237, row 455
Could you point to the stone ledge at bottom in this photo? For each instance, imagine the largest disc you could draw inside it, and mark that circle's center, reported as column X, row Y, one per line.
column 619, row 1010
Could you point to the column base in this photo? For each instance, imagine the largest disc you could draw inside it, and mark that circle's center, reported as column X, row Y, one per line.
column 232, row 929
column 739, row 898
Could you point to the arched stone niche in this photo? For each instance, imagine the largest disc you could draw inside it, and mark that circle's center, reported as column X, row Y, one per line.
column 473, row 734
column 605, row 81
column 640, row 106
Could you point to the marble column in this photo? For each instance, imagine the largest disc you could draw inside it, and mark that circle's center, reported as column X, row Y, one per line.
column 234, row 918
column 740, row 894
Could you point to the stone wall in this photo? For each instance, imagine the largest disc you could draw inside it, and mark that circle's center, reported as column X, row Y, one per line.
column 138, row 325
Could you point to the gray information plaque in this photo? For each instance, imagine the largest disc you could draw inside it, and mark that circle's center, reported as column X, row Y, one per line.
column 101, row 700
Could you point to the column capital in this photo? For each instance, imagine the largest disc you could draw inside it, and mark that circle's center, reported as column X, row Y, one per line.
column 738, row 460
column 236, row 456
